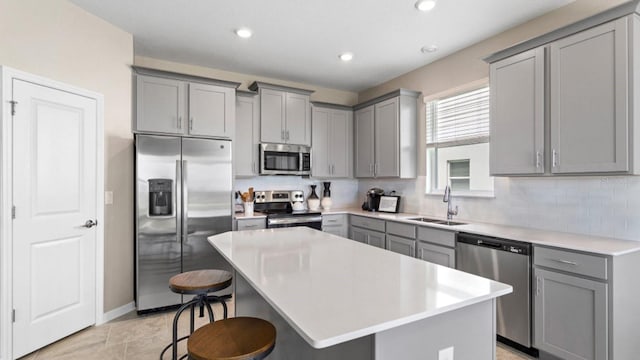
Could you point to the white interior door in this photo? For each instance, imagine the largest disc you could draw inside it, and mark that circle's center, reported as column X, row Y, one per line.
column 54, row 194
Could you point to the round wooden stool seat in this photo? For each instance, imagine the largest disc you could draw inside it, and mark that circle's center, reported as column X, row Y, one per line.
column 200, row 281
column 240, row 338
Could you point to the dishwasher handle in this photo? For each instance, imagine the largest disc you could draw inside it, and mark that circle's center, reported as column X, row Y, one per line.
column 489, row 244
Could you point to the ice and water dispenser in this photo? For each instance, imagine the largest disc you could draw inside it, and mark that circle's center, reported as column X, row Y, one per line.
column 160, row 197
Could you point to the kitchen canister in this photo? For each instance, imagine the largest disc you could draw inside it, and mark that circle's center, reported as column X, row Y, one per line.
column 248, row 208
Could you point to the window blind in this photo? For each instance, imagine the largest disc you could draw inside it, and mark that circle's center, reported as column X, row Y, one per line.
column 457, row 118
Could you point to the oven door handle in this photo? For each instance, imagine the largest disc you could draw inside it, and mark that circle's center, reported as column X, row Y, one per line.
column 294, row 220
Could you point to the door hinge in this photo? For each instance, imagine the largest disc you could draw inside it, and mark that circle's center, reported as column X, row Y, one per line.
column 13, row 315
column 13, row 212
column 13, row 106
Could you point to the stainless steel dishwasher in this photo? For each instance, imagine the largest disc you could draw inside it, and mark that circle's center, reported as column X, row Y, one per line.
column 508, row 262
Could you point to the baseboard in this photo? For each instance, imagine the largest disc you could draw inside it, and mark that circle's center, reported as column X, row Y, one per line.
column 117, row 312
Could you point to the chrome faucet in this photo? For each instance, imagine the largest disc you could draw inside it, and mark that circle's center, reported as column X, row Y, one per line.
column 447, row 198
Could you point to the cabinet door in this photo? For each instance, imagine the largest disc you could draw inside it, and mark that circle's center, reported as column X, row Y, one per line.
column 358, row 234
column 272, row 108
column 320, row 166
column 211, row 110
column 436, row 254
column 297, row 119
column 401, row 245
column 377, row 239
column 589, row 100
column 517, row 114
column 387, row 149
column 160, row 105
column 570, row 316
column 363, row 147
column 340, row 143
column 245, row 157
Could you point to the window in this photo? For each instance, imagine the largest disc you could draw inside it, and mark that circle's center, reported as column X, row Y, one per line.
column 458, row 143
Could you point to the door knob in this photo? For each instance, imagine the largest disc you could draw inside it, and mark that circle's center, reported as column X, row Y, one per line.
column 90, row 223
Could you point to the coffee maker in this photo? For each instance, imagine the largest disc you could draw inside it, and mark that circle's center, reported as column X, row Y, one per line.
column 372, row 200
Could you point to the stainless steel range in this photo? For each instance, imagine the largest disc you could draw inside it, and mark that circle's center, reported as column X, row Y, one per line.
column 278, row 205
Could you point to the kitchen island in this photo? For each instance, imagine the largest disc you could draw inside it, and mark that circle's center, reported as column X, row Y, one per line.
column 333, row 298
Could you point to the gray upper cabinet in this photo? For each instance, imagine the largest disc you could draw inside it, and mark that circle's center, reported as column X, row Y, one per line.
column 160, row 105
column 385, row 140
column 285, row 114
column 576, row 89
column 211, row 110
column 589, row 106
column 517, row 114
column 177, row 104
column 245, row 157
column 331, row 141
column 363, row 142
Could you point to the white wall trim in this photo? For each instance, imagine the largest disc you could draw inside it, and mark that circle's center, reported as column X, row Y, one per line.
column 6, row 191
column 117, row 312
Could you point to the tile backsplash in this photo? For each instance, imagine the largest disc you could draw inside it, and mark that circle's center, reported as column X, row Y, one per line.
column 596, row 205
column 344, row 192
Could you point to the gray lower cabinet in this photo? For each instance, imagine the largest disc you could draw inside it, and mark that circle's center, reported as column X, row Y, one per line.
column 436, row 254
column 436, row 246
column 401, row 245
column 336, row 224
column 366, row 236
column 251, row 224
column 570, row 316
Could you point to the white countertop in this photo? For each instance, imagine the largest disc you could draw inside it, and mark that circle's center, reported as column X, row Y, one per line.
column 331, row 289
column 586, row 243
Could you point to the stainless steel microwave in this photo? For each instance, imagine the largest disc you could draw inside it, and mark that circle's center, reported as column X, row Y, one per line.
column 282, row 159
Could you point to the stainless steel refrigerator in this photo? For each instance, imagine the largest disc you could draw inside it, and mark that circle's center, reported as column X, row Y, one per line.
column 183, row 196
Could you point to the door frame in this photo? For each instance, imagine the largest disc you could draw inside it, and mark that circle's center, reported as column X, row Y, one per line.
column 6, row 190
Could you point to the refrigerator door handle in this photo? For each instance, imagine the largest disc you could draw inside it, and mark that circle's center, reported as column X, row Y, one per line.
column 178, row 201
column 185, row 201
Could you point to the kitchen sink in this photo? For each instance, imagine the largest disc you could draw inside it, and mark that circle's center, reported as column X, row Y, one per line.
column 437, row 221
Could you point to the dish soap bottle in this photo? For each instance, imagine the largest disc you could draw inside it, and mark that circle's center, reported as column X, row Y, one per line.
column 326, row 196
column 313, row 202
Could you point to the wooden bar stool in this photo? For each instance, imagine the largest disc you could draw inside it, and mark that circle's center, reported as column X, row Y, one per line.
column 199, row 283
column 240, row 338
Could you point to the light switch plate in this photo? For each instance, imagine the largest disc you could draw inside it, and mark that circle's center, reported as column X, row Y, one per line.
column 446, row 354
column 108, row 197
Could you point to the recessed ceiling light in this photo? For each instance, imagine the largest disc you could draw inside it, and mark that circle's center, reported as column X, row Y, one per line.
column 346, row 56
column 244, row 33
column 425, row 5
column 429, row 49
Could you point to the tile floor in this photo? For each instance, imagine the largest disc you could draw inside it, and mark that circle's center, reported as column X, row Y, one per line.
column 143, row 337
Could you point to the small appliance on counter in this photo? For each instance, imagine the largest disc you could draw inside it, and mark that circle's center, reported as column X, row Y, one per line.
column 372, row 200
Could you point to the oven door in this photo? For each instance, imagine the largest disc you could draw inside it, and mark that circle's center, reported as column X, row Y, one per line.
column 314, row 222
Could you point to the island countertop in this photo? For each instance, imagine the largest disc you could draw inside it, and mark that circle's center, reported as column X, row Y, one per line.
column 332, row 290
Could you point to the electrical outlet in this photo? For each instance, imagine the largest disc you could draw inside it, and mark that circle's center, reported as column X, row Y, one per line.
column 446, row 354
column 108, row 197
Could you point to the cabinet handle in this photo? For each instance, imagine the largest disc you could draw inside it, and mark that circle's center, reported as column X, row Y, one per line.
column 567, row 262
column 538, row 163
column 555, row 158
column 282, row 135
column 375, row 169
column 333, row 169
column 179, row 122
column 537, row 285
column 287, row 135
column 190, row 123
column 253, row 167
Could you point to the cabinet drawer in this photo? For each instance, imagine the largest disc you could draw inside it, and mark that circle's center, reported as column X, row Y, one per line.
column 252, row 224
column 334, row 220
column 583, row 264
column 436, row 236
column 368, row 223
column 404, row 230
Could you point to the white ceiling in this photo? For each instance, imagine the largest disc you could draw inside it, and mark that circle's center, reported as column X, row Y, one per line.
column 300, row 40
